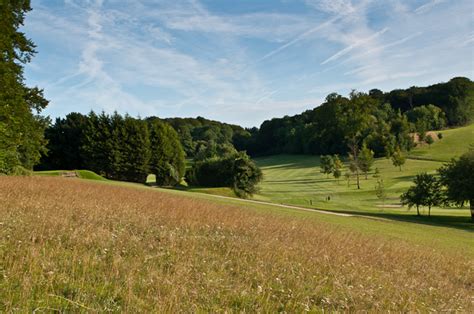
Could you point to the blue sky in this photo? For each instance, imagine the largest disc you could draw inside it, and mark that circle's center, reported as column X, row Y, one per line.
column 242, row 61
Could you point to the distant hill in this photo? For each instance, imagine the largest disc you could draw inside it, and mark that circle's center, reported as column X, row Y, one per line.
column 324, row 129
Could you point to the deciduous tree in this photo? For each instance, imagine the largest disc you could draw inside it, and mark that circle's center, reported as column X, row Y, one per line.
column 427, row 191
column 398, row 159
column 338, row 165
column 327, row 164
column 458, row 177
column 366, row 160
column 21, row 127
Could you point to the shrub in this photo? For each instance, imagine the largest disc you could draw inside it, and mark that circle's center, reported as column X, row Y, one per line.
column 236, row 171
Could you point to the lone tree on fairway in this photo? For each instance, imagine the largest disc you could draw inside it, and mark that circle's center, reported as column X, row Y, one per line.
column 338, row 165
column 354, row 164
column 347, row 175
column 398, row 159
column 380, row 191
column 427, row 191
column 366, row 160
column 327, row 164
column 458, row 177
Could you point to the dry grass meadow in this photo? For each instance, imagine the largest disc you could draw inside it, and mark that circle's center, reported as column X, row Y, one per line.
column 73, row 245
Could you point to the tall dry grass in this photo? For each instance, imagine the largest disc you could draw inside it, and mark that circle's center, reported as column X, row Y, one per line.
column 67, row 244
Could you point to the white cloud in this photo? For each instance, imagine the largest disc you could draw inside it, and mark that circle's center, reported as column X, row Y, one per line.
column 181, row 58
column 332, row 6
column 357, row 42
column 428, row 6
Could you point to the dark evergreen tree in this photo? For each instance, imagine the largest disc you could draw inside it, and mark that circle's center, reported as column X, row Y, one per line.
column 98, row 145
column 167, row 160
column 64, row 143
column 133, row 151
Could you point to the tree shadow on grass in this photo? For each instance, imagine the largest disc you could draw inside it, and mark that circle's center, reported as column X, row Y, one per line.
column 288, row 162
column 300, row 181
column 458, row 222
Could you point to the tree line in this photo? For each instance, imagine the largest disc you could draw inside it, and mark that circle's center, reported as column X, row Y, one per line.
column 116, row 147
column 393, row 116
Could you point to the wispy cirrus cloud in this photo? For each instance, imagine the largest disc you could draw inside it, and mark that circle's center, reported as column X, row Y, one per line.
column 428, row 6
column 236, row 62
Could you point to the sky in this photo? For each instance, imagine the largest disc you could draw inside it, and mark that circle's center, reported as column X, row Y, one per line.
column 239, row 61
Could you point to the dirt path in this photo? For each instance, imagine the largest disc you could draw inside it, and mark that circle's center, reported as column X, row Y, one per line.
column 287, row 206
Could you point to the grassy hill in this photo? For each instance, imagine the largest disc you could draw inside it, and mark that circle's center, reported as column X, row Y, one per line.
column 453, row 144
column 80, row 245
column 297, row 180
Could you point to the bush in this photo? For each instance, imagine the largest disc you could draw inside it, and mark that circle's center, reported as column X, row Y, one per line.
column 440, row 135
column 429, row 140
column 236, row 171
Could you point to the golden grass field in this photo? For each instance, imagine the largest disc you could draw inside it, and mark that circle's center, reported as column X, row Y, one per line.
column 73, row 245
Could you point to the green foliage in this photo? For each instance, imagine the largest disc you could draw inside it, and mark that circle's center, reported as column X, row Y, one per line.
column 21, row 127
column 167, row 156
column 383, row 121
column 193, row 132
column 210, row 149
column 347, row 175
column 458, row 177
column 376, row 173
column 97, row 145
column 354, row 166
column 131, row 147
column 453, row 97
column 338, row 165
column 366, row 160
column 421, row 130
column 429, row 140
column 380, row 191
column 65, row 139
column 116, row 147
column 432, row 117
column 398, row 159
column 327, row 164
column 427, row 191
column 246, row 176
column 440, row 135
column 236, row 171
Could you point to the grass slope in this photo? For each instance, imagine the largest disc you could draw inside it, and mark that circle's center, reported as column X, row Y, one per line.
column 76, row 245
column 454, row 143
column 83, row 174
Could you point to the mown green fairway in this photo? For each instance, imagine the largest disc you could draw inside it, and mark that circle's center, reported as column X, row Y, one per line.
column 297, row 180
